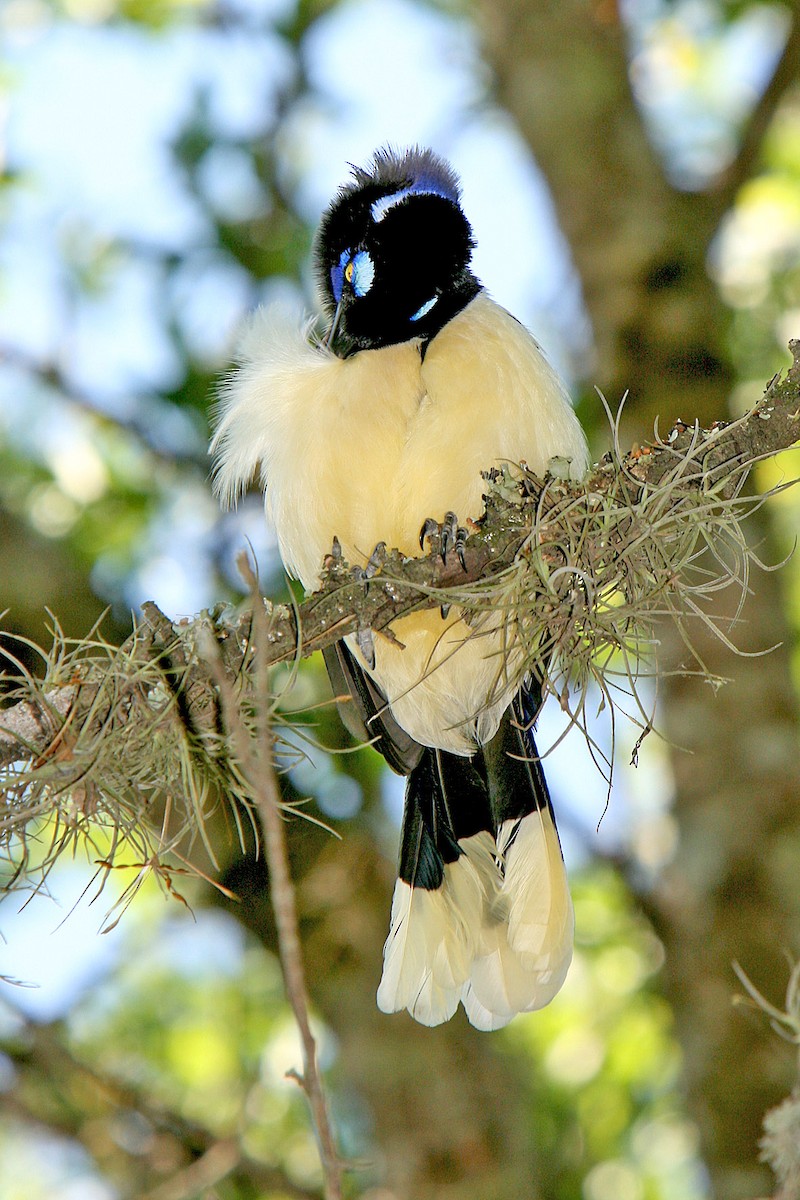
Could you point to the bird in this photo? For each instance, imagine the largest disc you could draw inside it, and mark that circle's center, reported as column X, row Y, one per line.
column 378, row 432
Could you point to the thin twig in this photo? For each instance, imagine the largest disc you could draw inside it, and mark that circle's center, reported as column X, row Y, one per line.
column 254, row 752
column 266, row 794
column 282, row 897
column 760, row 120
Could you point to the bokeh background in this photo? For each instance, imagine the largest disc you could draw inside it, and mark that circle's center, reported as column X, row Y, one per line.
column 632, row 172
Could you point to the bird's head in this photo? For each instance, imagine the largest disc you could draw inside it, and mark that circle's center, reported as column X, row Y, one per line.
column 393, row 251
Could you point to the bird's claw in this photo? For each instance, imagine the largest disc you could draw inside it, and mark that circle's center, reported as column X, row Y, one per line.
column 449, row 527
column 366, row 644
column 333, row 559
column 461, row 537
column 429, row 528
column 376, row 560
column 451, row 535
column 374, row 564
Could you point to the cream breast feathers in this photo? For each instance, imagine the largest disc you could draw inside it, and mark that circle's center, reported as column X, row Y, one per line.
column 353, row 447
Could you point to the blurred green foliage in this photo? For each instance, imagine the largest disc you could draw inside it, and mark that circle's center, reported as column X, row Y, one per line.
column 208, row 1041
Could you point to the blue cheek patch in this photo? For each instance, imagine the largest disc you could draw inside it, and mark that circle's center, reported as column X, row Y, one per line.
column 363, row 273
column 337, row 275
column 425, row 309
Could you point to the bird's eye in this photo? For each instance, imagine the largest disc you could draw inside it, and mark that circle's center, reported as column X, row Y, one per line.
column 356, row 269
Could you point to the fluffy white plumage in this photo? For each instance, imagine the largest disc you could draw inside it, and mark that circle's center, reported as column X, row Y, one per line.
column 358, row 448
column 433, row 939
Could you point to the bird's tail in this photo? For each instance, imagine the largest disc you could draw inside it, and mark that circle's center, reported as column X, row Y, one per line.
column 481, row 910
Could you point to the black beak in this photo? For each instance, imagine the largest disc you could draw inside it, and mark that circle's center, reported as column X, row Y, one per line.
column 330, row 340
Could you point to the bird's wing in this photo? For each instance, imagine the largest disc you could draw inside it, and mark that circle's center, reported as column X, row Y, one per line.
column 366, row 713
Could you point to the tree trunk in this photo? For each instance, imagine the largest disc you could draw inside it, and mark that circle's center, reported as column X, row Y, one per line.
column 640, row 248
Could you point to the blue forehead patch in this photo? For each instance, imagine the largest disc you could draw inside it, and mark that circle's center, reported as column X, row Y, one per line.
column 423, row 186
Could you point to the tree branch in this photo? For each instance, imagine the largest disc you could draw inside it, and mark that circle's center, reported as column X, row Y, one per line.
column 521, row 523
column 46, row 1065
column 784, row 77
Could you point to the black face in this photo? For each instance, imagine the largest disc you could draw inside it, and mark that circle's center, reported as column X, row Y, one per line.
column 392, row 254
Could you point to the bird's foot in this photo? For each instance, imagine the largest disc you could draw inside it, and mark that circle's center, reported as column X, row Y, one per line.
column 335, row 565
column 374, row 564
column 445, row 537
column 334, row 559
column 366, row 644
